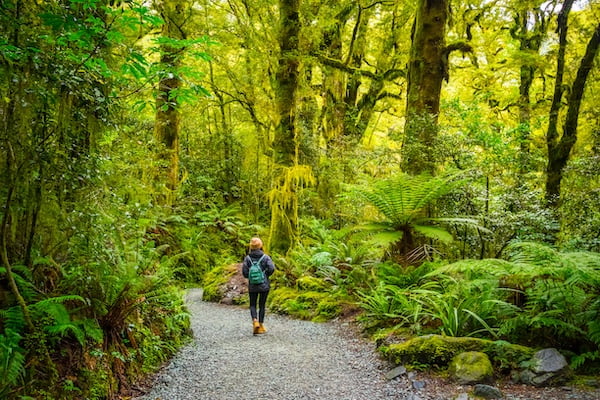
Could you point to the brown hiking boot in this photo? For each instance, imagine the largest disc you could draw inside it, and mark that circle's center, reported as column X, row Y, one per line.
column 261, row 328
column 255, row 327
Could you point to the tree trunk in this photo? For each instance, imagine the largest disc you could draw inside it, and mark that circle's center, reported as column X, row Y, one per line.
column 559, row 150
column 426, row 70
column 334, row 82
column 530, row 35
column 284, row 198
column 166, row 129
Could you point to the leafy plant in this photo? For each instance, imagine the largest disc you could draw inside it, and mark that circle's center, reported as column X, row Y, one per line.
column 406, row 203
column 12, row 360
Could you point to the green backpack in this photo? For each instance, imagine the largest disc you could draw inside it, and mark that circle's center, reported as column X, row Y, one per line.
column 256, row 275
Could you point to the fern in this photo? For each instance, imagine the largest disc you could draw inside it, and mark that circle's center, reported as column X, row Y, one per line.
column 405, row 202
column 405, row 198
column 578, row 361
column 12, row 360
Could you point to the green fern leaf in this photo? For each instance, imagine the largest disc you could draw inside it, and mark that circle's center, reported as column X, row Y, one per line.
column 433, row 232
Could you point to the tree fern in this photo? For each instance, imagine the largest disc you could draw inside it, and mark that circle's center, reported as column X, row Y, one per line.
column 405, row 203
column 404, row 198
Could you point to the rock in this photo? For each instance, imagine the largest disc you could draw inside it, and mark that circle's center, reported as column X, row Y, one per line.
column 437, row 351
column 471, row 367
column 595, row 383
column 549, row 360
column 515, row 376
column 526, row 377
column 487, row 392
column 418, row 385
column 396, row 372
column 548, row 368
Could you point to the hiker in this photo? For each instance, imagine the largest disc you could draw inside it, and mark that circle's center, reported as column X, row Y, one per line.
column 257, row 268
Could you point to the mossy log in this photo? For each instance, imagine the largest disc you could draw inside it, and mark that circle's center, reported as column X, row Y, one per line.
column 437, row 351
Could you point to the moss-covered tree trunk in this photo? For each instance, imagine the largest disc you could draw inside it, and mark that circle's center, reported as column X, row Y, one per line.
column 175, row 14
column 559, row 148
column 426, row 70
column 284, row 200
column 530, row 39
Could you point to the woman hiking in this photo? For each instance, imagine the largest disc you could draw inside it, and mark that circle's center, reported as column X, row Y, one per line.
column 257, row 268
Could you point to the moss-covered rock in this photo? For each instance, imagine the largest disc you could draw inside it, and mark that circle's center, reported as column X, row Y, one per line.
column 433, row 350
column 215, row 280
column 507, row 356
column 437, row 351
column 471, row 367
column 309, row 305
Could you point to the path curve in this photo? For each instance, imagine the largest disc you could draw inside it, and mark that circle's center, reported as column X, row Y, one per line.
column 293, row 360
column 297, row 360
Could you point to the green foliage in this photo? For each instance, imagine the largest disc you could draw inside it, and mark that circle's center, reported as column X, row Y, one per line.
column 12, row 360
column 214, row 280
column 435, row 302
column 538, row 296
column 95, row 258
column 312, row 305
column 579, row 226
column 407, row 202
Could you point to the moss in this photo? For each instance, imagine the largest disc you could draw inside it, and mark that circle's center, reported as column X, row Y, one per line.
column 327, row 309
column 507, row 356
column 310, row 283
column 309, row 305
column 471, row 367
column 437, row 351
column 214, row 279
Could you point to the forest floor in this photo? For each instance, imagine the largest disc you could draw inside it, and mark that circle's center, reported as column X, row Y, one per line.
column 299, row 360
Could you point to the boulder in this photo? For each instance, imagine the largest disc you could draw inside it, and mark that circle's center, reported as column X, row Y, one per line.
column 549, row 361
column 471, row 367
column 547, row 368
column 437, row 351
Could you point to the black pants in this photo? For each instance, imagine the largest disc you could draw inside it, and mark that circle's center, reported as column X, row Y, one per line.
column 262, row 301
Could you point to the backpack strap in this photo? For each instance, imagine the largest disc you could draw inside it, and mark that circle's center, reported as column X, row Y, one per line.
column 259, row 260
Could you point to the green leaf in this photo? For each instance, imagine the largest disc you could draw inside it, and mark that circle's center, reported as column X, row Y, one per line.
column 433, row 232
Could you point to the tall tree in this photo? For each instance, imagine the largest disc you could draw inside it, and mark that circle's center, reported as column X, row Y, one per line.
column 166, row 129
column 284, row 194
column 427, row 69
column 530, row 28
column 560, row 146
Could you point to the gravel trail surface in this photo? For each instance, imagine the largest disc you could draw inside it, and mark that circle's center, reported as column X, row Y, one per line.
column 293, row 360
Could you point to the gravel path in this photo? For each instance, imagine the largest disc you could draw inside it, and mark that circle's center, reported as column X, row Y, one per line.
column 293, row 360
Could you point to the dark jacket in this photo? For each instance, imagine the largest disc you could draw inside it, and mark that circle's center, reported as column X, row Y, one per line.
column 267, row 266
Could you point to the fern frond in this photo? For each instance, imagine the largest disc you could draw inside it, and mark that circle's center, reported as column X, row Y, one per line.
column 433, row 232
column 12, row 360
column 578, row 360
column 13, row 319
column 594, row 331
column 62, row 329
column 532, row 253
